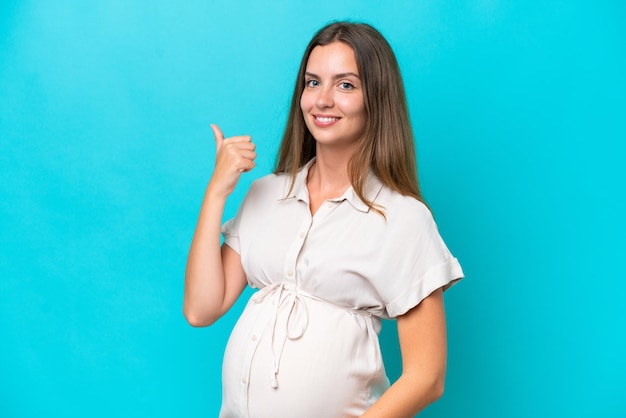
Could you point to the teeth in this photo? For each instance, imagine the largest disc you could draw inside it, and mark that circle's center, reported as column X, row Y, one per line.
column 326, row 120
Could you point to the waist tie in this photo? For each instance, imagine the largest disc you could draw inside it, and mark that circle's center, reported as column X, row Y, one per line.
column 286, row 294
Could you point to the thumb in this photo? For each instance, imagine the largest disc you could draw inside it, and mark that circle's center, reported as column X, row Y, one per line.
column 219, row 136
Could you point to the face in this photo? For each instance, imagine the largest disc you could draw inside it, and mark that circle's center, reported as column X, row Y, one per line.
column 332, row 101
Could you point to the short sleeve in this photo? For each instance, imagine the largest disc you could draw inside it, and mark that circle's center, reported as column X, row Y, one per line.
column 232, row 228
column 230, row 232
column 420, row 261
column 237, row 228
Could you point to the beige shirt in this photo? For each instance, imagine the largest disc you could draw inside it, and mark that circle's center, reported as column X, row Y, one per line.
column 306, row 344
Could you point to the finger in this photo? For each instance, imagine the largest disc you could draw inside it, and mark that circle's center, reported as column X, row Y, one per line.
column 244, row 160
column 240, row 139
column 248, row 166
column 219, row 136
column 247, row 154
column 244, row 146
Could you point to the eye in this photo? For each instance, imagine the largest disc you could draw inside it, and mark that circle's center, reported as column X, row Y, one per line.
column 312, row 83
column 344, row 85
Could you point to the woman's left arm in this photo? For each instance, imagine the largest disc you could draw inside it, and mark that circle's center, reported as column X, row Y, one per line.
column 422, row 335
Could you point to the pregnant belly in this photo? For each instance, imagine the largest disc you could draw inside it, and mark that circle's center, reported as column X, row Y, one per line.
column 291, row 355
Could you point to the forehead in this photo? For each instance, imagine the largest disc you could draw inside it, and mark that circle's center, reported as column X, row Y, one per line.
column 334, row 57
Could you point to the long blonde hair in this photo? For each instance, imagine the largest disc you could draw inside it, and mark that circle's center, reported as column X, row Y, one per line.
column 387, row 146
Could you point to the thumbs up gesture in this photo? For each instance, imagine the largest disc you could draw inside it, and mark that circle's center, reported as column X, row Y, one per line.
column 233, row 156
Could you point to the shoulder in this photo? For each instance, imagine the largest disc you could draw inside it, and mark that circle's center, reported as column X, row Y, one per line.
column 260, row 198
column 269, row 185
column 402, row 209
column 265, row 192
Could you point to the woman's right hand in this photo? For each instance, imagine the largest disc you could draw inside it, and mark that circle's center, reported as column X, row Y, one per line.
column 214, row 278
column 233, row 156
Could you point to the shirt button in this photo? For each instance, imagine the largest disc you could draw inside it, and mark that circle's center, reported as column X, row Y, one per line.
column 301, row 234
column 290, row 273
column 244, row 380
column 330, row 204
column 253, row 338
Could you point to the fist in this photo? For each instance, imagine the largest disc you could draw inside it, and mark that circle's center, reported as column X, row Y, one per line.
column 233, row 156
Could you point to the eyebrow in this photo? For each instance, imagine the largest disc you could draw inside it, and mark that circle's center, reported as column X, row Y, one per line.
column 336, row 76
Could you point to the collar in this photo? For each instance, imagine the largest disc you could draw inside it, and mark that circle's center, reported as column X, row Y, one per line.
column 372, row 188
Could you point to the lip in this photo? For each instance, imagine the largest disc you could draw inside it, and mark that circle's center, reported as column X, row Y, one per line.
column 325, row 120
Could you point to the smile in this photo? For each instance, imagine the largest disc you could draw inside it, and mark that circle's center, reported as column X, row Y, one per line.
column 326, row 119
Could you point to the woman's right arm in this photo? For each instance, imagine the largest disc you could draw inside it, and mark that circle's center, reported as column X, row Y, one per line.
column 214, row 277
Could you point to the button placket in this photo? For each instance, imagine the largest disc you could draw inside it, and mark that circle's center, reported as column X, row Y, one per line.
column 291, row 257
column 250, row 350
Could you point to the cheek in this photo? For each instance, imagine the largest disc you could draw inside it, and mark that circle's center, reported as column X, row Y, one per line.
column 305, row 102
column 361, row 110
column 356, row 108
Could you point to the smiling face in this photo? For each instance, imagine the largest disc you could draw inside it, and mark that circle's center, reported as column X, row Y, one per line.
column 332, row 102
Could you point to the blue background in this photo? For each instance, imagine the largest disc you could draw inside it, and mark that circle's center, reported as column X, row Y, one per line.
column 105, row 149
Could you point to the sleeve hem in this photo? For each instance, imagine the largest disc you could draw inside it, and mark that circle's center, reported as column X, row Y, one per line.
column 442, row 276
column 231, row 244
column 231, row 238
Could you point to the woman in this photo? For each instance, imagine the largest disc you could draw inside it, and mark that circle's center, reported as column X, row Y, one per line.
column 336, row 239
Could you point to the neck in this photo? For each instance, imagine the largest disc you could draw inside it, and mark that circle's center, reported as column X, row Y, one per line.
column 329, row 174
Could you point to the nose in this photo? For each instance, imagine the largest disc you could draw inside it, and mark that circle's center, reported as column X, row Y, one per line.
column 324, row 97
